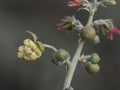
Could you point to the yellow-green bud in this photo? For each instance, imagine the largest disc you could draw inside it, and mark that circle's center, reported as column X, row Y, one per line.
column 94, row 58
column 61, row 55
column 92, row 68
column 87, row 33
column 30, row 51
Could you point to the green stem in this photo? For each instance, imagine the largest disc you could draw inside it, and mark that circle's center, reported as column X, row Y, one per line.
column 92, row 12
column 74, row 61
column 50, row 47
column 72, row 66
column 90, row 19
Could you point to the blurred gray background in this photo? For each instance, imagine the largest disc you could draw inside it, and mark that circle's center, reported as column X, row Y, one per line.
column 41, row 17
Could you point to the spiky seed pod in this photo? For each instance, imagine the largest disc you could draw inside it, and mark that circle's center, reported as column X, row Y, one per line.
column 92, row 68
column 87, row 33
column 95, row 58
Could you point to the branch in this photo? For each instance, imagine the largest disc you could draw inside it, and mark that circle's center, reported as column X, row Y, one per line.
column 72, row 66
column 50, row 47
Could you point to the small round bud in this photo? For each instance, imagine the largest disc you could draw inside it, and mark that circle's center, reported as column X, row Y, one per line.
column 27, row 42
column 96, row 40
column 87, row 33
column 94, row 58
column 33, row 56
column 61, row 55
column 92, row 68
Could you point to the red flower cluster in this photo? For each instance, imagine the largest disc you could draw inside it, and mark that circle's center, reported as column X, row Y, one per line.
column 113, row 30
column 74, row 3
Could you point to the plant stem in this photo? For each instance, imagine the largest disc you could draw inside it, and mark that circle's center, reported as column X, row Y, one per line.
column 72, row 66
column 74, row 61
column 50, row 47
column 90, row 19
column 92, row 12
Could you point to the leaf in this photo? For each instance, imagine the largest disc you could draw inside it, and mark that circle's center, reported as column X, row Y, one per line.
column 33, row 35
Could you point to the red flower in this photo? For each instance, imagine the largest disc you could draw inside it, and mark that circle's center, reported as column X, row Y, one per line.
column 60, row 26
column 74, row 3
column 113, row 30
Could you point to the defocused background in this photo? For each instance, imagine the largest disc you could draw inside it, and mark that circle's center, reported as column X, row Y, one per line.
column 41, row 17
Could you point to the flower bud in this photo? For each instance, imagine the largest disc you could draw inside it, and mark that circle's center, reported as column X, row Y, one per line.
column 87, row 33
column 61, row 55
column 94, row 58
column 30, row 50
column 92, row 68
column 96, row 40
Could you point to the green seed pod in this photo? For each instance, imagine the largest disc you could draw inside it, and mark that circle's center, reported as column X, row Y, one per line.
column 61, row 55
column 96, row 40
column 92, row 68
column 87, row 33
column 94, row 58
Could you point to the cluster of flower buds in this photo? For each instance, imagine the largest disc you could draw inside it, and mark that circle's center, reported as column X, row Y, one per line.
column 92, row 66
column 69, row 23
column 60, row 57
column 31, row 50
column 90, row 62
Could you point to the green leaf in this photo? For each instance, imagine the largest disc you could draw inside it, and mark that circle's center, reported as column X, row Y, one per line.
column 33, row 35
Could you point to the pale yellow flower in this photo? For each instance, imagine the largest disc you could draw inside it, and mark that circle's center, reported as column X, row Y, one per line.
column 30, row 50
